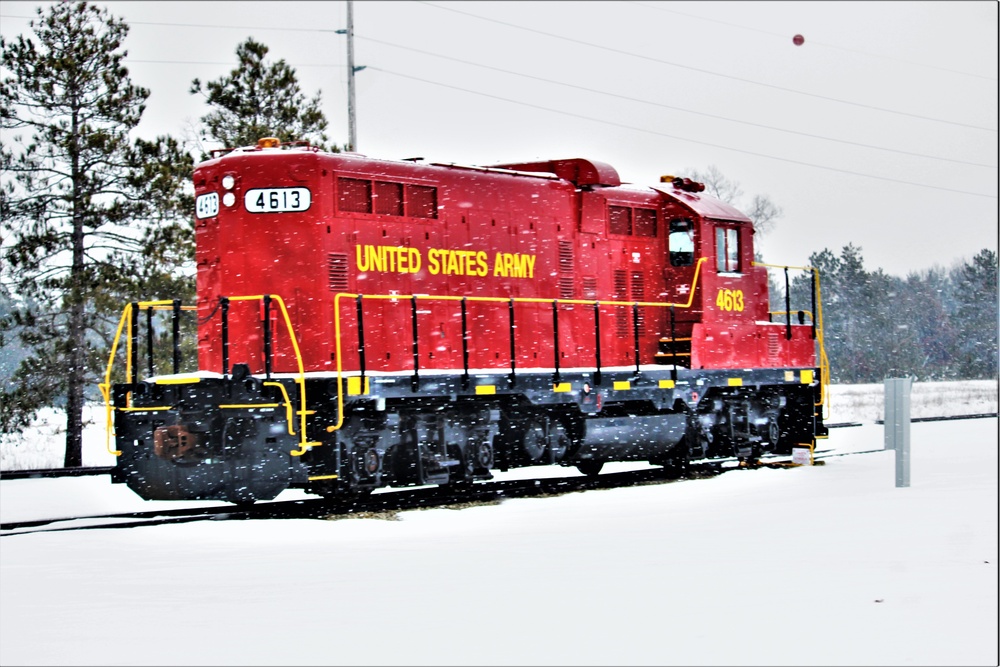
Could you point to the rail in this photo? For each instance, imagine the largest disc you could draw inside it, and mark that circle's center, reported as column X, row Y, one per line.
column 816, row 319
column 510, row 301
column 129, row 320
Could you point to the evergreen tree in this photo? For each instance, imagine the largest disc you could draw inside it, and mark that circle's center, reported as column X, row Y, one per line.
column 260, row 99
column 77, row 201
column 975, row 315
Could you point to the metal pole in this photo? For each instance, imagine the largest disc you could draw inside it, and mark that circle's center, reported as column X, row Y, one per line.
column 352, row 129
column 897, row 425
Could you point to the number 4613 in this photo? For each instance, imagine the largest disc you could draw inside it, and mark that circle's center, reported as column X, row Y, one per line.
column 730, row 299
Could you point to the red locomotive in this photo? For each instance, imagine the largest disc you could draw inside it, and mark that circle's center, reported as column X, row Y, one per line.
column 367, row 323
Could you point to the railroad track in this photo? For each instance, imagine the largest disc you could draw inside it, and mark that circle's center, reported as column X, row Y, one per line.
column 388, row 503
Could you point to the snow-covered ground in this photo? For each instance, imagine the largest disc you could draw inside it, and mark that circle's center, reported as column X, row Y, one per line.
column 822, row 565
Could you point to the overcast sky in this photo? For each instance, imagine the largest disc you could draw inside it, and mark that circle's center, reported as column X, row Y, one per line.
column 879, row 130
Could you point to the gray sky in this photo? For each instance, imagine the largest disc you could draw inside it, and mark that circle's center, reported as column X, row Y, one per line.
column 880, row 130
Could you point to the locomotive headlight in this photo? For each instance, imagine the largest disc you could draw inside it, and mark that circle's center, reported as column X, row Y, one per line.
column 229, row 199
column 228, row 181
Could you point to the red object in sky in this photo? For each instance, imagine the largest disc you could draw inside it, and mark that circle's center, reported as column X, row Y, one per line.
column 798, row 40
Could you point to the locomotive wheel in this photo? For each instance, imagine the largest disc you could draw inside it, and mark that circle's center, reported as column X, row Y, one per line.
column 590, row 468
column 533, row 442
column 558, row 442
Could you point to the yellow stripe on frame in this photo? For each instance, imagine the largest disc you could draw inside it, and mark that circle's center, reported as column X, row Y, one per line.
column 240, row 406
column 354, row 386
column 789, row 376
column 666, row 384
column 562, row 387
column 735, row 382
column 807, row 376
column 623, row 384
column 178, row 380
column 486, row 389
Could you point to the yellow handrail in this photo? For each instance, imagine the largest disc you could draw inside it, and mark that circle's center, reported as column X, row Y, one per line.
column 488, row 299
column 824, row 361
column 126, row 318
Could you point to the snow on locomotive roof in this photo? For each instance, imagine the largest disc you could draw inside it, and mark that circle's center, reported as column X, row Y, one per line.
column 579, row 171
column 704, row 205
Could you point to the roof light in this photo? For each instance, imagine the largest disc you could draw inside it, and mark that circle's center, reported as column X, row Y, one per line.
column 269, row 142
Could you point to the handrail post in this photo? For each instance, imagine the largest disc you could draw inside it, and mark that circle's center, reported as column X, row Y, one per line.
column 788, row 308
column 415, row 382
column 267, row 337
column 224, row 304
column 133, row 334
column 465, row 344
column 597, row 341
column 177, row 335
column 361, row 338
column 513, row 352
column 635, row 333
column 149, row 340
column 812, row 288
column 555, row 329
column 673, row 346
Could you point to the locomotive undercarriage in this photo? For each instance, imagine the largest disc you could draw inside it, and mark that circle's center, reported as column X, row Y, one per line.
column 238, row 438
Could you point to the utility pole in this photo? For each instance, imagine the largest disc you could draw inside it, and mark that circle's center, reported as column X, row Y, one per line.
column 352, row 130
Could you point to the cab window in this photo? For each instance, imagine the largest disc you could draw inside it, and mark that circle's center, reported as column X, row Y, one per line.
column 727, row 250
column 681, row 243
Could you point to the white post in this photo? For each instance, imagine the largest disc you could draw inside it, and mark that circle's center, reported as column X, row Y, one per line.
column 897, row 425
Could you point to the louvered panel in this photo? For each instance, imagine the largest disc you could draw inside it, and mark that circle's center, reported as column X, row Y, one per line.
column 565, row 256
column 567, row 287
column 589, row 286
column 337, row 271
column 622, row 314
column 639, row 294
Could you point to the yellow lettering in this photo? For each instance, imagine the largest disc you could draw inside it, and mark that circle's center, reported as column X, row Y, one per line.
column 362, row 258
column 498, row 266
column 414, row 260
column 508, row 264
column 433, row 266
column 531, row 265
column 481, row 262
column 377, row 260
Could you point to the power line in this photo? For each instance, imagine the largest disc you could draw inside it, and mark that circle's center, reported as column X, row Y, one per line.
column 687, row 139
column 676, row 108
column 597, row 46
column 710, row 72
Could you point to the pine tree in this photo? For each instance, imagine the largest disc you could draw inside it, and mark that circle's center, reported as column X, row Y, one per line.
column 77, row 200
column 260, row 99
column 976, row 315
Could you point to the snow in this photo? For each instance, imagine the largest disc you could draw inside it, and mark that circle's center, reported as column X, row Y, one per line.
column 822, row 565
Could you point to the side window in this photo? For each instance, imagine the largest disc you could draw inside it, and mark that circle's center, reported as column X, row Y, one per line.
column 388, row 198
column 620, row 220
column 681, row 243
column 645, row 222
column 356, row 195
column 727, row 249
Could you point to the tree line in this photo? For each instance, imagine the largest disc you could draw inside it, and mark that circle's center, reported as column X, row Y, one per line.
column 936, row 324
column 92, row 218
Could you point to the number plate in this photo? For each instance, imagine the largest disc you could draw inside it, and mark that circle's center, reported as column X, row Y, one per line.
column 277, row 200
column 207, row 205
